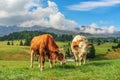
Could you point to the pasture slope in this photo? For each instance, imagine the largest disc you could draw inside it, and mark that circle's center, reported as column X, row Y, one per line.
column 92, row 70
column 16, row 52
column 14, row 65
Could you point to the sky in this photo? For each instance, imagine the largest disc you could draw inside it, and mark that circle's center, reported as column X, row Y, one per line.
column 63, row 14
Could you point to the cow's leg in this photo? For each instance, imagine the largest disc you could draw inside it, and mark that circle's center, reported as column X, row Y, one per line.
column 49, row 58
column 80, row 61
column 32, row 58
column 52, row 61
column 38, row 57
column 42, row 60
column 81, row 57
column 84, row 59
column 76, row 58
column 77, row 61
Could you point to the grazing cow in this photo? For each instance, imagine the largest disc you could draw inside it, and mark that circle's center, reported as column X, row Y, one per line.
column 45, row 45
column 79, row 47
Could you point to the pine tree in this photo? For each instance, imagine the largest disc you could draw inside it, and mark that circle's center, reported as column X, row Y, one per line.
column 98, row 43
column 21, row 43
column 115, row 40
column 8, row 43
column 118, row 45
column 27, row 41
column 12, row 43
column 68, row 52
column 69, row 43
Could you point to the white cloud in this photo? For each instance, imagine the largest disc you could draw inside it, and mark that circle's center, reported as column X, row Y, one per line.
column 58, row 21
column 3, row 14
column 94, row 29
column 16, row 12
column 111, row 29
column 50, row 17
column 89, row 5
column 13, row 11
column 13, row 6
column 93, row 25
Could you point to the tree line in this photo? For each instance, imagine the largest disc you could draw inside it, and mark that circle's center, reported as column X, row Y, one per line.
column 28, row 35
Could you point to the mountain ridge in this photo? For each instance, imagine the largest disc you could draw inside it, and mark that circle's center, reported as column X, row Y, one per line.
column 5, row 30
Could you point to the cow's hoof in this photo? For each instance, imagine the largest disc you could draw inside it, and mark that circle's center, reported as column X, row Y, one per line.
column 31, row 66
column 38, row 66
column 41, row 69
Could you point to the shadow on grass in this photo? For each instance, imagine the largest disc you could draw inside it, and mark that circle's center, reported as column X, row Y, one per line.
column 102, row 57
column 69, row 66
column 72, row 66
column 102, row 63
column 92, row 63
column 66, row 66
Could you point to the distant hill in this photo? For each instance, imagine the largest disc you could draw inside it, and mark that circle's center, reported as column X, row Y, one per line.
column 28, row 35
column 5, row 30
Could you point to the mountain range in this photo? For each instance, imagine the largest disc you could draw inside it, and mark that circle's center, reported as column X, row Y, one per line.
column 5, row 30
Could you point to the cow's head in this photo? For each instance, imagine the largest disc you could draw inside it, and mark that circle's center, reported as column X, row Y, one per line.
column 61, row 56
column 83, row 48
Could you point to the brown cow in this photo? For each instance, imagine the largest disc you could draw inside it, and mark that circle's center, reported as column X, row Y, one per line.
column 45, row 45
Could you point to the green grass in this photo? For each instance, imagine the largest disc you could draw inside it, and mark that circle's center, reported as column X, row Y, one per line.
column 92, row 70
column 19, row 68
column 16, row 42
column 15, row 52
column 103, row 48
column 61, row 44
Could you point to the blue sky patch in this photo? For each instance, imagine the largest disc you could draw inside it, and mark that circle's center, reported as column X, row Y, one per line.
column 31, row 9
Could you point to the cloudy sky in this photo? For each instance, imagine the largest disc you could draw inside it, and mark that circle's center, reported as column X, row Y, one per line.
column 62, row 14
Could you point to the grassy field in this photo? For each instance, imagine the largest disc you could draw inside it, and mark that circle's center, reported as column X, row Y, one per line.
column 14, row 65
column 16, row 52
column 92, row 70
column 101, row 49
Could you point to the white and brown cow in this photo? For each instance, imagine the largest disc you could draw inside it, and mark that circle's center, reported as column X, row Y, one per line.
column 79, row 47
column 45, row 45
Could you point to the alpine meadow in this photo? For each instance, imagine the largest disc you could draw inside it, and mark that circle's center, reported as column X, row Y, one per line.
column 59, row 39
column 15, row 64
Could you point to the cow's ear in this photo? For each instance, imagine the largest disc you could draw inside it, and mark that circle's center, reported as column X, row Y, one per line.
column 89, row 44
column 61, row 50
